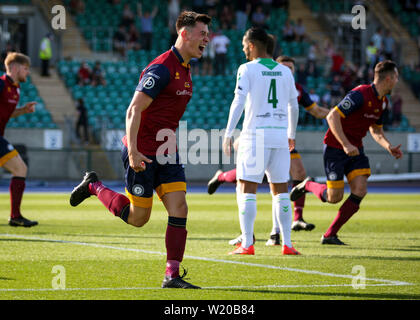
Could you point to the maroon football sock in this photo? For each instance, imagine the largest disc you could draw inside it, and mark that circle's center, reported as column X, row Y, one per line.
column 298, row 204
column 176, row 238
column 317, row 189
column 115, row 202
column 228, row 176
column 346, row 211
column 16, row 188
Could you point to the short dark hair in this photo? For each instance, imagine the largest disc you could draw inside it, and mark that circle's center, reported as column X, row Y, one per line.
column 258, row 36
column 285, row 59
column 271, row 44
column 190, row 18
column 384, row 68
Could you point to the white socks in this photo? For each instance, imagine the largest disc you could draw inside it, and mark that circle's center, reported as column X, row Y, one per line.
column 276, row 223
column 247, row 205
column 283, row 209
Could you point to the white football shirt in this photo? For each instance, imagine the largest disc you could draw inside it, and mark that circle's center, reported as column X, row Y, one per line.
column 268, row 88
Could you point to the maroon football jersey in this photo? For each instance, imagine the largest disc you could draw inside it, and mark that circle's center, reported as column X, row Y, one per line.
column 167, row 79
column 9, row 99
column 360, row 109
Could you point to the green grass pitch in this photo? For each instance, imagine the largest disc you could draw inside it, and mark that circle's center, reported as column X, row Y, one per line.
column 103, row 258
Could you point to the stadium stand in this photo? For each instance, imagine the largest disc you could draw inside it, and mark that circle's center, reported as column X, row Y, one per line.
column 209, row 106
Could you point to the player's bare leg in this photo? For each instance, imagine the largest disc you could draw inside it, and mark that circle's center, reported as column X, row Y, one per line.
column 138, row 216
column 175, row 239
column 298, row 174
column 17, row 167
column 283, row 211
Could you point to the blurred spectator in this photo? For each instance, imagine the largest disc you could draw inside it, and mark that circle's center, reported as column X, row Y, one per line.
column 146, row 21
column 84, row 75
column 45, row 54
column 173, row 13
column 127, row 16
column 120, row 40
column 259, row 18
column 199, row 6
column 389, row 45
column 243, row 9
column 220, row 43
column 288, row 31
column 82, row 121
column 377, row 39
column 348, row 78
column 211, row 6
column 77, row 7
column 300, row 30
column 267, row 6
column 133, row 38
column 337, row 91
column 301, row 74
column 326, row 97
column 337, row 62
column 397, row 102
column 208, row 58
column 98, row 75
column 371, row 55
column 226, row 17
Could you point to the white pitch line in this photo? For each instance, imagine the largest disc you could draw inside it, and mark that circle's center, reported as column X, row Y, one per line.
column 275, row 286
column 391, row 282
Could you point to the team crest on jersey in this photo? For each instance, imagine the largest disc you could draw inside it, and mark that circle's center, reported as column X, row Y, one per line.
column 138, row 190
column 332, row 176
column 347, row 103
column 187, row 85
column 149, row 83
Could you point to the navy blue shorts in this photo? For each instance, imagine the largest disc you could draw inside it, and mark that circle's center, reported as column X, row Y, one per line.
column 7, row 151
column 163, row 178
column 337, row 164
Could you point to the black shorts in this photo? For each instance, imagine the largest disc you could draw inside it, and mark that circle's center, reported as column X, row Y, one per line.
column 337, row 164
column 7, row 151
column 163, row 178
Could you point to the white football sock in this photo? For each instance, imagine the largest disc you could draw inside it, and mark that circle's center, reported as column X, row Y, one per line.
column 284, row 214
column 276, row 224
column 247, row 214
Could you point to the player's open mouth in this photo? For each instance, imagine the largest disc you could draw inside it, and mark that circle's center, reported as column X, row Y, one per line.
column 201, row 48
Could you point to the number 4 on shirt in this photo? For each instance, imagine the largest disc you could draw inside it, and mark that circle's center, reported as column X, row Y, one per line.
column 272, row 94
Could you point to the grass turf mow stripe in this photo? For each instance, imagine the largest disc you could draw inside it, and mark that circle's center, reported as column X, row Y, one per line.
column 384, row 282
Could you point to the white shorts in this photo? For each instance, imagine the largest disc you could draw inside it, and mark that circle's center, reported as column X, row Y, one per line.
column 253, row 162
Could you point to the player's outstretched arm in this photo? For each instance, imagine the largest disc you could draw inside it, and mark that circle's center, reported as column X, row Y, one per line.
column 378, row 135
column 139, row 103
column 319, row 112
column 28, row 108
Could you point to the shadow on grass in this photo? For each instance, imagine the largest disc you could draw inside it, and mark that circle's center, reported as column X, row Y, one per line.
column 67, row 241
column 329, row 295
column 3, row 278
